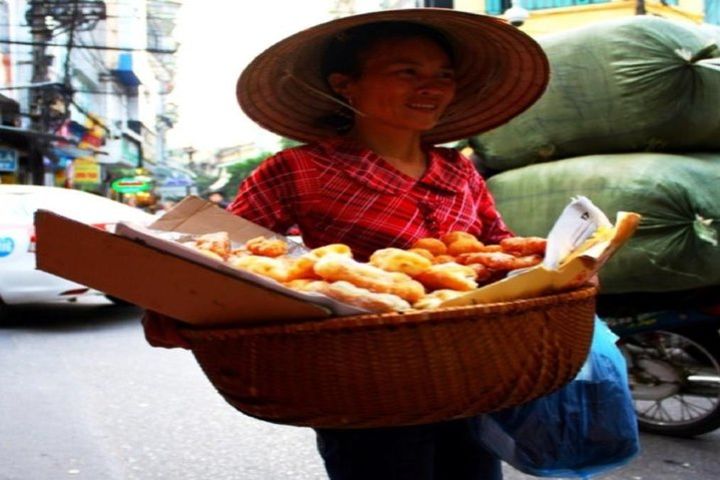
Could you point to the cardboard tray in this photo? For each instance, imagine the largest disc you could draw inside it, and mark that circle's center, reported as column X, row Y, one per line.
column 157, row 280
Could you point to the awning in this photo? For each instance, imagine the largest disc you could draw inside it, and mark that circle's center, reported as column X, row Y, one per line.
column 22, row 137
column 124, row 71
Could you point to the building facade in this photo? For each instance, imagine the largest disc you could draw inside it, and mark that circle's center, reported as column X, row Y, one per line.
column 89, row 80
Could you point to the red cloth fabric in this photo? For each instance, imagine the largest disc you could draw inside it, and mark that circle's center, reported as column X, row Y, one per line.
column 338, row 192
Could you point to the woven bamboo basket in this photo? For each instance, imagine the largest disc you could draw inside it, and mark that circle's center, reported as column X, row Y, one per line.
column 400, row 369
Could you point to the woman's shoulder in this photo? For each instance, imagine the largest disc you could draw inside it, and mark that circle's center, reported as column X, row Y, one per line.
column 301, row 155
column 454, row 160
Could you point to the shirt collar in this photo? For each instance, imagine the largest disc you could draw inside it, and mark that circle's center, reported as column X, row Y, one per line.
column 444, row 172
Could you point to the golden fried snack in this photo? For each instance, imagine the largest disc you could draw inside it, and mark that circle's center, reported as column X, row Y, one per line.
column 448, row 276
column 432, row 245
column 209, row 253
column 521, row 246
column 454, row 236
column 425, row 253
column 275, row 268
column 398, row 260
column 305, row 284
column 333, row 248
column 302, row 267
column 465, row 245
column 267, row 247
column 337, row 267
column 482, row 273
column 499, row 260
column 434, row 299
column 217, row 242
column 443, row 259
column 346, row 292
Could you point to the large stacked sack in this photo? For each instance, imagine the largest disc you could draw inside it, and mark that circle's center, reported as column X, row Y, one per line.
column 620, row 93
column 676, row 245
column 637, row 84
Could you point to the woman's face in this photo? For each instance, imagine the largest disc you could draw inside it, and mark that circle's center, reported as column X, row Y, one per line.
column 404, row 84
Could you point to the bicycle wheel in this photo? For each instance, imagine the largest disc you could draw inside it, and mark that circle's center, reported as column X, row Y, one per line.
column 675, row 382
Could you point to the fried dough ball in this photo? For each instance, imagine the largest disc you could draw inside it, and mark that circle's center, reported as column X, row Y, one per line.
column 482, row 273
column 491, row 248
column 448, row 276
column 443, row 259
column 499, row 260
column 432, row 245
column 521, row 246
column 425, row 253
column 302, row 267
column 211, row 254
column 337, row 268
column 267, row 247
column 217, row 242
column 333, row 248
column 346, row 292
column 436, row 298
column 305, row 284
column 398, row 260
column 465, row 245
column 456, row 235
column 274, row 268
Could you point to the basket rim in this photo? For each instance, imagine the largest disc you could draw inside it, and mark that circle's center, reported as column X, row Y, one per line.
column 395, row 319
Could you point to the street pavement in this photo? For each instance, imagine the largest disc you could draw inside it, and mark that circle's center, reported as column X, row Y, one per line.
column 82, row 396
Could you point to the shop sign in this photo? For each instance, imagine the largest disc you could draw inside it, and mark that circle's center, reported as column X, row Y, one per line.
column 132, row 185
column 8, row 160
column 85, row 171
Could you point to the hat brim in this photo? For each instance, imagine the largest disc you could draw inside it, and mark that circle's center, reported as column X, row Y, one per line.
column 500, row 72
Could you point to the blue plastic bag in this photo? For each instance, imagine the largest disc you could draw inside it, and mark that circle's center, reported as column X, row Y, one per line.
column 584, row 429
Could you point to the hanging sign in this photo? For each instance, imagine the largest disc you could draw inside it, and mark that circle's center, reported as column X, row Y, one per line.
column 132, row 184
column 85, row 171
column 8, row 160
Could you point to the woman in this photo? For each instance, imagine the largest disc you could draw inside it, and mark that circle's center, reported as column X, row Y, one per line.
column 370, row 94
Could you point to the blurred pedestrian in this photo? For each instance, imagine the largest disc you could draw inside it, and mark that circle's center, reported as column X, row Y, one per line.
column 218, row 198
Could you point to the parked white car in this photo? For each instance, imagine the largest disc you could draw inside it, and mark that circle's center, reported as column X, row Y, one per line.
column 20, row 281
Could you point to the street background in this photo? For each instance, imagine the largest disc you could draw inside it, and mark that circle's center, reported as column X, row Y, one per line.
column 84, row 397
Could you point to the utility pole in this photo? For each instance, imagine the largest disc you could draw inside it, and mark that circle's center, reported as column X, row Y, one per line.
column 49, row 104
column 41, row 34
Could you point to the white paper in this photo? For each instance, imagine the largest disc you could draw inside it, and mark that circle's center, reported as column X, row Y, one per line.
column 578, row 222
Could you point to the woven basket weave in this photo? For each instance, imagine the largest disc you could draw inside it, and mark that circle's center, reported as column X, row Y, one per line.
column 400, row 369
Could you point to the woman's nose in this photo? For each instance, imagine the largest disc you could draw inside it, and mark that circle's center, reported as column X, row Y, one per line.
column 435, row 86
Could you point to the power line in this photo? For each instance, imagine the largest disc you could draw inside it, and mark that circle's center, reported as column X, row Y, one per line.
column 90, row 47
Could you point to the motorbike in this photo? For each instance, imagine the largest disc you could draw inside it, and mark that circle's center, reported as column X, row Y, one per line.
column 671, row 342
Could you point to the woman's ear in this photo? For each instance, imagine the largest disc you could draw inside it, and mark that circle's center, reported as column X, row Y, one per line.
column 340, row 83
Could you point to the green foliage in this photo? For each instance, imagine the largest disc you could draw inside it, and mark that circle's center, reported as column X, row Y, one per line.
column 240, row 171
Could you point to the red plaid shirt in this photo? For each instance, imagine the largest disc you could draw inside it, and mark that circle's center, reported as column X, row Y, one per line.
column 338, row 192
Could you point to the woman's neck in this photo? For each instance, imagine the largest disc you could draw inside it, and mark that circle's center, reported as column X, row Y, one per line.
column 403, row 150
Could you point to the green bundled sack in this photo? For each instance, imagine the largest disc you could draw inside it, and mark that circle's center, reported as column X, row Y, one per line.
column 676, row 244
column 637, row 84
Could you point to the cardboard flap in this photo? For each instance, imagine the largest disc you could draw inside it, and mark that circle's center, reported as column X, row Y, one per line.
column 195, row 215
column 157, row 280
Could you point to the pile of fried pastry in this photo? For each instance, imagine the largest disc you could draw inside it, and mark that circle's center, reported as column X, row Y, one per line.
column 432, row 271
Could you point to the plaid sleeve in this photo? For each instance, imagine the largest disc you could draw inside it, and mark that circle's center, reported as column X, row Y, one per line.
column 494, row 228
column 262, row 197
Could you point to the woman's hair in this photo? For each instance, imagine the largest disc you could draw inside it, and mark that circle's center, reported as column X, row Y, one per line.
column 347, row 51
